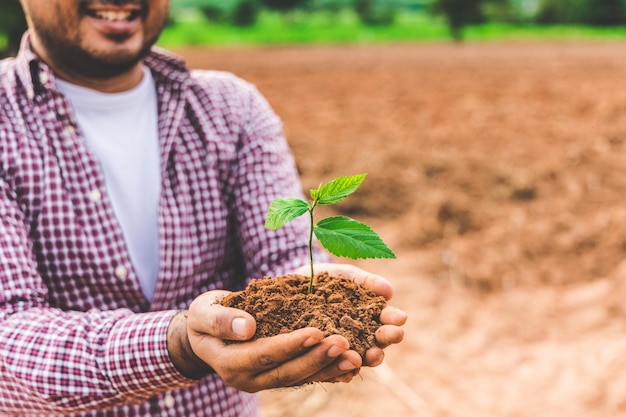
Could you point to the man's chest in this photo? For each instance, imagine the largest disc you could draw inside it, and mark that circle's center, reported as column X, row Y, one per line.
column 78, row 242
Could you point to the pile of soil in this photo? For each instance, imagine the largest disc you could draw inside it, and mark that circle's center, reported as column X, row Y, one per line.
column 337, row 305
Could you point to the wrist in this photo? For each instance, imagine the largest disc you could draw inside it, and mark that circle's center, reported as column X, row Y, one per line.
column 180, row 351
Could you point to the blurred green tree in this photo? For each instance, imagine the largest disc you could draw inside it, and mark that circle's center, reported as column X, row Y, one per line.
column 12, row 26
column 245, row 13
column 330, row 6
column 590, row 12
column 375, row 12
column 214, row 11
column 283, row 5
column 606, row 12
column 562, row 12
column 458, row 14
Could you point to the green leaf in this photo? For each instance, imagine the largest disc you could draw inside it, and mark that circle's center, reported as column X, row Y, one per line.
column 315, row 192
column 336, row 190
column 346, row 237
column 283, row 210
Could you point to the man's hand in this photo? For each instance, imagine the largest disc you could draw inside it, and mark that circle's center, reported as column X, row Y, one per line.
column 392, row 318
column 197, row 341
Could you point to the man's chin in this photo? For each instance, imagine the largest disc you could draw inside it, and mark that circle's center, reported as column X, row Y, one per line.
column 111, row 62
column 115, row 53
column 103, row 68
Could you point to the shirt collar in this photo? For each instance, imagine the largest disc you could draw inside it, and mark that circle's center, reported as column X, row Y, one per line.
column 37, row 77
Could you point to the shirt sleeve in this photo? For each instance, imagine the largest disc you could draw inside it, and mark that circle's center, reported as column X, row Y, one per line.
column 54, row 361
column 266, row 170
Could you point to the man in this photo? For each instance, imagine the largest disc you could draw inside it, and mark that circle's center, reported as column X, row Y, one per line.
column 132, row 195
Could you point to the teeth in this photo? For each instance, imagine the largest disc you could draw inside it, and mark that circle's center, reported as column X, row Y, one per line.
column 113, row 15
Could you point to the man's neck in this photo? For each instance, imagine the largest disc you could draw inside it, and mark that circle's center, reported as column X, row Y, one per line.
column 124, row 82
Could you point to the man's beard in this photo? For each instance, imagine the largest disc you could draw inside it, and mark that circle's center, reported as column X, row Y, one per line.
column 71, row 58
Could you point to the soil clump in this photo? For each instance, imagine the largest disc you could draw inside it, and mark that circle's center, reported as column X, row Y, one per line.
column 337, row 305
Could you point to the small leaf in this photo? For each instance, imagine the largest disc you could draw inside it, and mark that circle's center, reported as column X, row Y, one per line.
column 336, row 190
column 283, row 210
column 313, row 193
column 346, row 237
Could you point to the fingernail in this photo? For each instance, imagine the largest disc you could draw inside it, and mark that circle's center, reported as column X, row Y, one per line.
column 311, row 341
column 239, row 327
column 401, row 314
column 334, row 351
column 346, row 365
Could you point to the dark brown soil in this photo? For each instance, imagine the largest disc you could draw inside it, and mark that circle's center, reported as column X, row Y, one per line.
column 336, row 306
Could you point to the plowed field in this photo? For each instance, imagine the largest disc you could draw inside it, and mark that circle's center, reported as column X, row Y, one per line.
column 497, row 172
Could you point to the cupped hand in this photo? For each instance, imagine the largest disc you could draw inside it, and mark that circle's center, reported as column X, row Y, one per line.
column 391, row 317
column 296, row 358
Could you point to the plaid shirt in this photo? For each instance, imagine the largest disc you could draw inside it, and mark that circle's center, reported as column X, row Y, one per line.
column 77, row 336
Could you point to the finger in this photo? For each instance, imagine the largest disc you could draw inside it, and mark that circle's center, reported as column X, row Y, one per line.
column 373, row 282
column 317, row 364
column 387, row 335
column 345, row 378
column 243, row 365
column 263, row 354
column 348, row 363
column 214, row 296
column 207, row 317
column 374, row 357
column 393, row 315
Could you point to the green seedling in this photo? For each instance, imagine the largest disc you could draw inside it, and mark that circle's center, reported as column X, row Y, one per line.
column 340, row 235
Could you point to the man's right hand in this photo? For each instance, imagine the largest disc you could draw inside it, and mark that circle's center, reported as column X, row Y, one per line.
column 197, row 341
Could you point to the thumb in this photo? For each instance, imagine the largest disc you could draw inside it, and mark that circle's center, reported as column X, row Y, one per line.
column 206, row 316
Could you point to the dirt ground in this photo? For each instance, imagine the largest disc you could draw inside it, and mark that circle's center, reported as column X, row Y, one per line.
column 497, row 174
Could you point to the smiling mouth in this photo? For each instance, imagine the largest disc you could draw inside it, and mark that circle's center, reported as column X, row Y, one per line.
column 114, row 15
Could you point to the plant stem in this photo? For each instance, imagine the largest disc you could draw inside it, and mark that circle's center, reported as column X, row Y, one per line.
column 311, row 250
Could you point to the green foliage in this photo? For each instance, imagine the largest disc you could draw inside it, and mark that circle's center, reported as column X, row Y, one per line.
column 214, row 12
column 508, row 11
column 313, row 27
column 606, row 12
column 375, row 12
column 562, row 11
column 309, row 27
column 459, row 13
column 237, row 13
column 284, row 210
column 332, row 6
column 283, row 5
column 368, row 20
column 346, row 237
column 587, row 12
column 12, row 26
column 340, row 235
column 245, row 13
column 336, row 190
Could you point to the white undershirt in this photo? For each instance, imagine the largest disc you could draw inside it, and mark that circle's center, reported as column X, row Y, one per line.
column 121, row 130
